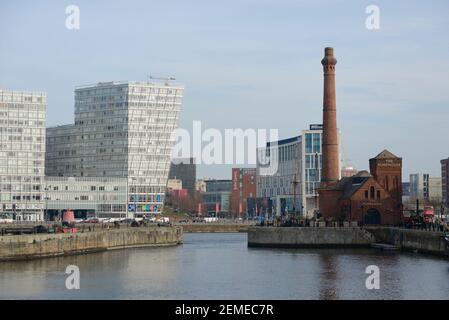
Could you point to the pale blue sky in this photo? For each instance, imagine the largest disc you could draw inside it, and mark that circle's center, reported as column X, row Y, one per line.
column 251, row 64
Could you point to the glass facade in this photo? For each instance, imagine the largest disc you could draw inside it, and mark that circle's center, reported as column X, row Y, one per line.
column 299, row 164
column 313, row 162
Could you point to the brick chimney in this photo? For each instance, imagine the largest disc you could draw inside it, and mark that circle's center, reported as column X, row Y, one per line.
column 331, row 166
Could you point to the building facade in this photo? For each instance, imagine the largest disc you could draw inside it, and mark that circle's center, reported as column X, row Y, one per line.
column 445, row 181
column 294, row 185
column 184, row 170
column 216, row 199
column 425, row 187
column 121, row 130
column 244, row 191
column 22, row 154
column 434, row 191
column 86, row 196
column 418, row 185
column 370, row 198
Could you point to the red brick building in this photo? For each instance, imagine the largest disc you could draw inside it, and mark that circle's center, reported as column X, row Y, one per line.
column 368, row 197
column 243, row 188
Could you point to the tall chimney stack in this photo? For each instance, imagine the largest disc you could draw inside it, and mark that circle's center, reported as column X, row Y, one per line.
column 330, row 168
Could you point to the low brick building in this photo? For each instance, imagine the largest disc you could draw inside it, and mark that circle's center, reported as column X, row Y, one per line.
column 373, row 197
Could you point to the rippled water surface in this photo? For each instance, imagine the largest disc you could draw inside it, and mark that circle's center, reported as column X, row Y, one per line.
column 220, row 266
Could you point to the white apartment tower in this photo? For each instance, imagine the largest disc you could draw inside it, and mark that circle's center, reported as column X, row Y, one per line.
column 22, row 155
column 121, row 129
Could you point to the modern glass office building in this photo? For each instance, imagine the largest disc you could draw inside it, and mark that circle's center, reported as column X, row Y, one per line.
column 121, row 129
column 294, row 185
column 22, row 155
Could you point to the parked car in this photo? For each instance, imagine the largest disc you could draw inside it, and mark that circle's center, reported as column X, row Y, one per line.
column 40, row 229
column 163, row 220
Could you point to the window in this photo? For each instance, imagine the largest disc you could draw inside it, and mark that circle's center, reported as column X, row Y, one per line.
column 372, row 192
column 366, row 194
column 378, row 194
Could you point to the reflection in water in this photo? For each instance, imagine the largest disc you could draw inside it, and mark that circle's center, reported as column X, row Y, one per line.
column 328, row 283
column 221, row 266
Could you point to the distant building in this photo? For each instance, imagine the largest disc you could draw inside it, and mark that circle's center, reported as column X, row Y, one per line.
column 445, row 181
column 22, row 155
column 418, row 184
column 435, row 188
column 216, row 199
column 298, row 173
column 184, row 170
column 244, row 190
column 174, row 184
column 405, row 192
column 200, row 186
column 424, row 187
column 348, row 172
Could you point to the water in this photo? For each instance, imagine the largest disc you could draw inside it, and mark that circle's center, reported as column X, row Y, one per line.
column 220, row 266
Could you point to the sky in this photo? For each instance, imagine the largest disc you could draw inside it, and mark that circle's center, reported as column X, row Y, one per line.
column 251, row 64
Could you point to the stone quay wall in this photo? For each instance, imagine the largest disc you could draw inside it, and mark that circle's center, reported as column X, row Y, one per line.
column 422, row 241
column 309, row 237
column 22, row 247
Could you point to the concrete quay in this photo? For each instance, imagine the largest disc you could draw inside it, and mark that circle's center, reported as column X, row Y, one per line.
column 33, row 246
column 419, row 241
column 309, row 237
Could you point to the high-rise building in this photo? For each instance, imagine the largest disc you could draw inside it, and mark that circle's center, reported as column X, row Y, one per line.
column 445, row 181
column 294, row 185
column 22, row 154
column 121, row 129
column 184, row 170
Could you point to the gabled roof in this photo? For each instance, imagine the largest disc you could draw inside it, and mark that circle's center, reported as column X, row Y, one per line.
column 351, row 185
column 385, row 155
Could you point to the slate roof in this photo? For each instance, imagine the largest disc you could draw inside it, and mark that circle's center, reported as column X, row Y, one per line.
column 385, row 155
column 350, row 185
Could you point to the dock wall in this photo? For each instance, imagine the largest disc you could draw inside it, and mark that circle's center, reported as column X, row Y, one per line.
column 423, row 241
column 308, row 237
column 22, row 247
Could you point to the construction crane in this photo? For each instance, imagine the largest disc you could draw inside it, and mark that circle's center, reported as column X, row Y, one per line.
column 166, row 79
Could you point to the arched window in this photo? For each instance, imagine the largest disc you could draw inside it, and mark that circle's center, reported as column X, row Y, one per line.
column 371, row 191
